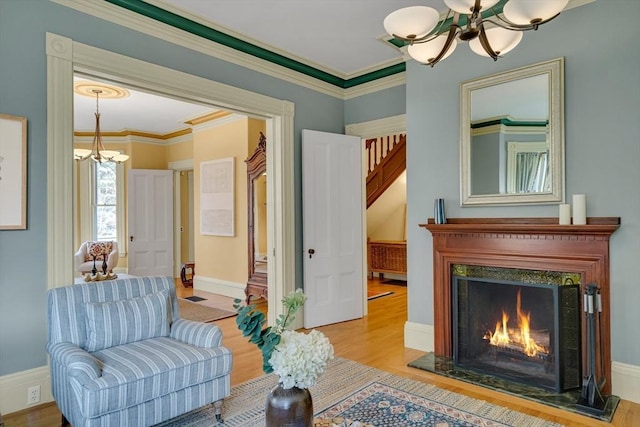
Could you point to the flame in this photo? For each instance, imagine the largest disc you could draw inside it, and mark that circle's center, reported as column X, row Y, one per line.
column 503, row 336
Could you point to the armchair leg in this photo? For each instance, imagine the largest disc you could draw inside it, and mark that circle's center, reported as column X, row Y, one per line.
column 64, row 421
column 217, row 405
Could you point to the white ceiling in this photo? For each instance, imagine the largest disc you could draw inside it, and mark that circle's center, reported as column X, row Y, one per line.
column 140, row 111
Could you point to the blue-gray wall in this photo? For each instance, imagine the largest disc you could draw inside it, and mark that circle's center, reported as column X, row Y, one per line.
column 23, row 92
column 602, row 125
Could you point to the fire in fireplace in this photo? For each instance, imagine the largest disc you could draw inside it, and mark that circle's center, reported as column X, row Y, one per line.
column 521, row 341
column 524, row 332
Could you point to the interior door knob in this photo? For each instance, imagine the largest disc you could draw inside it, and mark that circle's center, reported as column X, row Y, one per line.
column 311, row 252
column 131, row 238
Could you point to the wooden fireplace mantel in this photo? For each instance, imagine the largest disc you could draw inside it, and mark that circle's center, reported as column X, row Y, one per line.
column 521, row 243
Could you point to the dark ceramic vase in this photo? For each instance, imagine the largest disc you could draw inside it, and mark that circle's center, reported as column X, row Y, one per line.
column 291, row 407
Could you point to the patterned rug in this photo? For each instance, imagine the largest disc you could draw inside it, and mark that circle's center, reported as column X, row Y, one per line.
column 354, row 391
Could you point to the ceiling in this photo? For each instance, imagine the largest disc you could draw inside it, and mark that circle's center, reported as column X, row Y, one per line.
column 340, row 37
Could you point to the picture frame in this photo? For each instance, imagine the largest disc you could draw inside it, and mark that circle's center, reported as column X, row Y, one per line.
column 13, row 172
column 217, row 197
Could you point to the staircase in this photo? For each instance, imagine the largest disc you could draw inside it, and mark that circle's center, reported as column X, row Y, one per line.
column 386, row 158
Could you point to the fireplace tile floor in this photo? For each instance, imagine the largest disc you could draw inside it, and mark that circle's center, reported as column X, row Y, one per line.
column 567, row 400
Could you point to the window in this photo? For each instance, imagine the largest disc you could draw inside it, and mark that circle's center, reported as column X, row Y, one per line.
column 105, row 201
column 102, row 203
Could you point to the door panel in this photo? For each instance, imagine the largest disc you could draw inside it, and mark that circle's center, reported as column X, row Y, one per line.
column 150, row 220
column 332, row 223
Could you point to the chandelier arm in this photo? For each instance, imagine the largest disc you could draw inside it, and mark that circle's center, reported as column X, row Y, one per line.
column 484, row 41
column 453, row 31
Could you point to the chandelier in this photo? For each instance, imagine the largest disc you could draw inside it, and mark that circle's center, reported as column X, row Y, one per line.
column 489, row 33
column 98, row 153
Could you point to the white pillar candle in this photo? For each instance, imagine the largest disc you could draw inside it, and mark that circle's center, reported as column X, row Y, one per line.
column 579, row 209
column 565, row 214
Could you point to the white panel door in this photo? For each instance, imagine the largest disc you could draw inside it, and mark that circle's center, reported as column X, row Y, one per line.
column 150, row 221
column 332, row 224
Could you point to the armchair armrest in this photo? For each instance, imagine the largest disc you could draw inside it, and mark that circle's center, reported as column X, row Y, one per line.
column 79, row 363
column 198, row 334
column 78, row 257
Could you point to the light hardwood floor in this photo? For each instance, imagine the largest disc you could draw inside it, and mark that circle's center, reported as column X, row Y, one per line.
column 376, row 340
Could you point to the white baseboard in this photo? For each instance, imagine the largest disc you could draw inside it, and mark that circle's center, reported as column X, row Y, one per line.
column 219, row 286
column 13, row 389
column 625, row 378
column 625, row 381
column 418, row 336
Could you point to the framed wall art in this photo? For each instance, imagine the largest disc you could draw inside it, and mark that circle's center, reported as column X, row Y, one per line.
column 217, row 197
column 13, row 172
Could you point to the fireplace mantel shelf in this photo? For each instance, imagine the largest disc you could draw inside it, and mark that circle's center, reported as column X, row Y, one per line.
column 595, row 226
column 522, row 243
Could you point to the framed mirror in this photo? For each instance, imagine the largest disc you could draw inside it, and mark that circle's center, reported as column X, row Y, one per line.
column 512, row 137
column 257, row 221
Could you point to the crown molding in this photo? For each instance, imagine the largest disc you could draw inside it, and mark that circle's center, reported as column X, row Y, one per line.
column 121, row 16
column 376, row 85
column 221, row 121
column 274, row 63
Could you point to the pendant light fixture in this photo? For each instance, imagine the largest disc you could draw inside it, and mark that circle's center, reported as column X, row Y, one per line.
column 98, row 153
column 488, row 32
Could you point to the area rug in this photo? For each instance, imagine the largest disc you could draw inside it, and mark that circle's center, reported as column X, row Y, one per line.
column 374, row 295
column 369, row 395
column 201, row 313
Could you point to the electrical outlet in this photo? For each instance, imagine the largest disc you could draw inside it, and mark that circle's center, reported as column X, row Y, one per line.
column 33, row 395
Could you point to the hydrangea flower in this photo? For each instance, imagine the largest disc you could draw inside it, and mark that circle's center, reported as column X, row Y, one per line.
column 299, row 359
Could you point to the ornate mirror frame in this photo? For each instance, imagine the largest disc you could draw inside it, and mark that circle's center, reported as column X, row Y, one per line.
column 554, row 69
column 256, row 166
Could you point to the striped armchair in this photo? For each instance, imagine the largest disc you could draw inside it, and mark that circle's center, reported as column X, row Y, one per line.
column 122, row 356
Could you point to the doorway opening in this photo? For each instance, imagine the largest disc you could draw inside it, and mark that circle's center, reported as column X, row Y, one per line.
column 66, row 57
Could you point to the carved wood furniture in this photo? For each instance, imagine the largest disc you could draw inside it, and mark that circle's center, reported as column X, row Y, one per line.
column 256, row 166
column 522, row 243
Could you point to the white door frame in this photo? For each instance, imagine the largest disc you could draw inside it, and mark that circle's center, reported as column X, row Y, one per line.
column 177, row 167
column 64, row 57
column 366, row 130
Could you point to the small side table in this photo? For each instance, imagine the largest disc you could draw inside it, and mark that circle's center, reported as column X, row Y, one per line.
column 187, row 278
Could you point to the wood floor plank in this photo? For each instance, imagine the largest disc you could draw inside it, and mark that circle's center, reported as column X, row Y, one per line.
column 376, row 340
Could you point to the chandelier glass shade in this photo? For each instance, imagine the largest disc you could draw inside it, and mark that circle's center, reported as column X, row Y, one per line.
column 98, row 153
column 488, row 32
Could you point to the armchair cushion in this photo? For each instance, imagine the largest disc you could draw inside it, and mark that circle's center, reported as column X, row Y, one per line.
column 120, row 322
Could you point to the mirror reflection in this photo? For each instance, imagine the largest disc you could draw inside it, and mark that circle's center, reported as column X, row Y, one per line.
column 260, row 223
column 509, row 148
column 512, row 137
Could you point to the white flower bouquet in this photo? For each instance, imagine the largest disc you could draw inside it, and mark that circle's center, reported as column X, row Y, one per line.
column 299, row 359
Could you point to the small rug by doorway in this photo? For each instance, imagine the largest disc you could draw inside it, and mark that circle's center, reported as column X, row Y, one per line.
column 201, row 313
column 374, row 295
column 369, row 395
column 195, row 298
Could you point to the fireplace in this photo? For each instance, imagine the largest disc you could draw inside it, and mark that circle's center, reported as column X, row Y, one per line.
column 519, row 331
column 535, row 244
